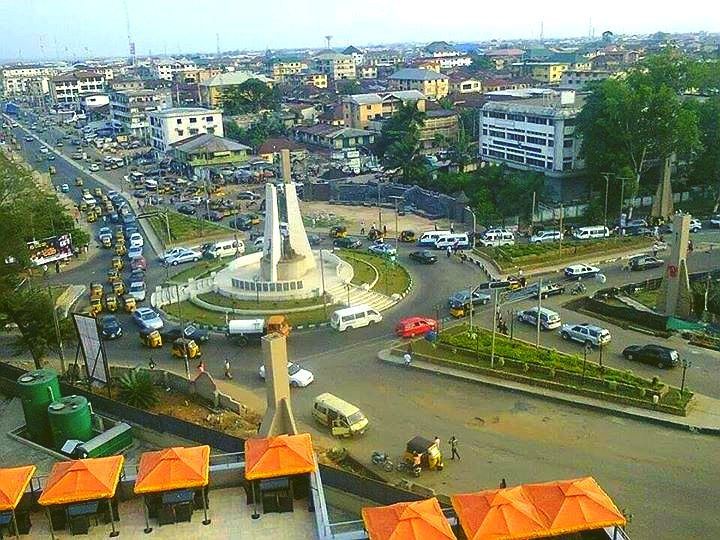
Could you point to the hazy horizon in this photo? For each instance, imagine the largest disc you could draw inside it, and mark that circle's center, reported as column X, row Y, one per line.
column 37, row 30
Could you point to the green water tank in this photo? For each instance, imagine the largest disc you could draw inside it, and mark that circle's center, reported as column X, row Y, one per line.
column 38, row 389
column 70, row 418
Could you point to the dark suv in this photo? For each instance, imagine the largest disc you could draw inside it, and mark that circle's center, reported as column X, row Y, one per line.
column 657, row 355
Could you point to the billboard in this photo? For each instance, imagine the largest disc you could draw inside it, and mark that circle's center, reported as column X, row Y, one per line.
column 49, row 250
column 91, row 346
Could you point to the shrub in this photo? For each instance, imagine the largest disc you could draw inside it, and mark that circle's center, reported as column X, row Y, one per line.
column 500, row 363
column 526, row 367
column 612, row 386
column 137, row 389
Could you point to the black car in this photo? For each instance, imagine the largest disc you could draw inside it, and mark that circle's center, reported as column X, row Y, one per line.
column 424, row 257
column 657, row 355
column 110, row 327
column 171, row 333
column 213, row 215
column 347, row 243
column 645, row 263
column 314, row 239
column 187, row 209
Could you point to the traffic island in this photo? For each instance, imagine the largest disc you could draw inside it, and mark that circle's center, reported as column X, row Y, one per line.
column 380, row 273
column 471, row 350
column 176, row 228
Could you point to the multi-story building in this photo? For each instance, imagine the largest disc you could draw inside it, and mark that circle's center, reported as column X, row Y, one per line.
column 15, row 79
column 439, row 128
column 430, row 83
column 446, row 55
column 357, row 54
column 169, row 126
column 504, row 57
column 464, row 84
column 194, row 76
column 284, row 68
column 547, row 73
column 70, row 88
column 212, row 89
column 367, row 72
column 122, row 83
column 336, row 66
column 129, row 109
column 313, row 78
column 334, row 137
column 166, row 69
column 359, row 110
column 534, row 130
column 575, row 79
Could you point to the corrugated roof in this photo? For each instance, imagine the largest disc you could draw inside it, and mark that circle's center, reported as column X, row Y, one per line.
column 208, row 142
column 416, row 74
column 232, row 78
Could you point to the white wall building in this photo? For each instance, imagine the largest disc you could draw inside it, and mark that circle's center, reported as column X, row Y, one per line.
column 129, row 109
column 21, row 80
column 334, row 65
column 534, row 131
column 166, row 69
column 169, row 126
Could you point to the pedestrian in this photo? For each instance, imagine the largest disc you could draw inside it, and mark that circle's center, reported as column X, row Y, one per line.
column 690, row 246
column 407, row 358
column 384, row 230
column 449, row 251
column 362, row 230
column 45, row 269
column 228, row 373
column 436, row 440
column 151, row 363
column 503, row 483
column 435, row 225
column 655, row 250
column 453, row 442
column 372, row 228
column 57, row 267
column 452, row 228
column 201, row 367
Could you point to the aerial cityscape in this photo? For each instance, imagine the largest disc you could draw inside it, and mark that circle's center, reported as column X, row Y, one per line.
column 383, row 271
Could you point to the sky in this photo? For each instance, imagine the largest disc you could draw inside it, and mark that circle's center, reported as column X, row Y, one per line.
column 69, row 29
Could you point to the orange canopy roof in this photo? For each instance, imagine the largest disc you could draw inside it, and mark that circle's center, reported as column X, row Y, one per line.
column 13, row 482
column 284, row 455
column 498, row 514
column 419, row 520
column 173, row 468
column 82, row 480
column 536, row 510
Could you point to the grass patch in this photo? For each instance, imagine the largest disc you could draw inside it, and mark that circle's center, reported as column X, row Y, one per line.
column 263, row 305
column 201, row 269
column 647, row 297
column 393, row 278
column 529, row 256
column 186, row 228
column 191, row 312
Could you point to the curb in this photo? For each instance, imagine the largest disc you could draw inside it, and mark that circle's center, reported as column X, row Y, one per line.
column 385, row 356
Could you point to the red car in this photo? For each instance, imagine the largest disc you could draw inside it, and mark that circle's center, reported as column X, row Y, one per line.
column 415, row 326
column 138, row 263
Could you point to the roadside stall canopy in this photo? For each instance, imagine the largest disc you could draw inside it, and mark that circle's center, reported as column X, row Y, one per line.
column 13, row 483
column 284, row 455
column 82, row 480
column 419, row 520
column 575, row 505
column 505, row 514
column 173, row 468
column 536, row 510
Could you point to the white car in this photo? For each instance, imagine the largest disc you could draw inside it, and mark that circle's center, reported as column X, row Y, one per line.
column 134, row 252
column 138, row 290
column 545, row 236
column 549, row 320
column 94, row 167
column 299, row 376
column 715, row 221
column 589, row 334
column 695, row 225
column 183, row 255
column 136, row 239
column 382, row 249
column 581, row 271
column 44, row 150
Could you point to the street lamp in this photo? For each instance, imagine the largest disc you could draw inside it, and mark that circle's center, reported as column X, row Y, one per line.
column 586, row 350
column 474, row 224
column 182, row 330
column 685, row 364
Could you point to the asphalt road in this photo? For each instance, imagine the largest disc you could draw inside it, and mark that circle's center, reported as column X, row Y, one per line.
column 667, row 479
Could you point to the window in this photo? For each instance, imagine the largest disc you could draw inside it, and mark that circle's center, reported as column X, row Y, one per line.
column 180, row 132
column 178, row 121
column 567, row 143
column 193, row 120
column 209, row 118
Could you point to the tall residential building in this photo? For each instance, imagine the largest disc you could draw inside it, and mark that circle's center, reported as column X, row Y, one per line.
column 446, row 56
column 20, row 80
column 430, row 83
column 129, row 109
column 165, row 69
column 169, row 126
column 336, row 66
column 357, row 54
column 211, row 90
column 282, row 69
column 359, row 110
column 577, row 79
column 533, row 130
column 70, row 88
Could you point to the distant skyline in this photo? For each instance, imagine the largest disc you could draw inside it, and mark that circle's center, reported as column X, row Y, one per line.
column 52, row 29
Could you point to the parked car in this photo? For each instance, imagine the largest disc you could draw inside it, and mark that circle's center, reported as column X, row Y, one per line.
column 715, row 221
column 183, row 255
column 645, row 262
column 171, row 333
column 545, row 236
column 415, row 326
column 186, row 209
column 247, row 196
column 581, row 271
column 110, row 327
column 385, row 250
column 347, row 243
column 299, row 376
column 136, row 239
column 657, row 355
column 94, row 167
column 65, row 188
column 695, row 225
column 147, row 319
column 134, row 251
column 463, row 297
column 314, row 239
column 138, row 290
column 424, row 257
column 213, row 215
column 592, row 335
column 549, row 320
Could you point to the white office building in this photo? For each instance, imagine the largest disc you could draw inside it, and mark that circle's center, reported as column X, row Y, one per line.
column 166, row 69
column 26, row 79
column 71, row 88
column 534, row 129
column 169, row 126
column 129, row 109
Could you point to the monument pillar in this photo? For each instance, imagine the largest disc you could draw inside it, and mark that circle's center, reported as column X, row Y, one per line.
column 278, row 419
column 675, row 296
column 272, row 248
column 663, row 204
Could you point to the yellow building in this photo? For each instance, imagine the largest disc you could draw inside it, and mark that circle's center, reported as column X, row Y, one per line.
column 430, row 83
column 544, row 72
column 337, row 66
column 440, row 128
column 359, row 110
column 465, row 85
column 283, row 69
column 314, row 78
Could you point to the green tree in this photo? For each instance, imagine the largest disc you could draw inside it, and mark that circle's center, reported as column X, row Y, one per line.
column 267, row 126
column 399, row 144
column 461, row 151
column 348, row 87
column 137, row 390
column 706, row 166
column 249, row 97
column 481, row 63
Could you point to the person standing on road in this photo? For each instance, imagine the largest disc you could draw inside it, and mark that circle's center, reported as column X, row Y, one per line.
column 453, row 442
column 449, row 251
column 436, row 440
column 228, row 373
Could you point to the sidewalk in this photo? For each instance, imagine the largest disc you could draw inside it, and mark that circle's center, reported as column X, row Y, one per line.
column 704, row 416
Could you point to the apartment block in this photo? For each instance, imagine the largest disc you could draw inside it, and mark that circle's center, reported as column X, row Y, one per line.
column 283, row 69
column 170, row 126
column 430, row 83
column 334, row 65
column 24, row 79
column 70, row 88
column 359, row 110
column 166, row 69
column 575, row 79
column 129, row 109
column 211, row 90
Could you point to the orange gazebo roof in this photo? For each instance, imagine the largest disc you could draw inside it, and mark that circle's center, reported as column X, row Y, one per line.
column 173, row 468
column 82, row 480
column 284, row 455
column 419, row 520
column 13, row 482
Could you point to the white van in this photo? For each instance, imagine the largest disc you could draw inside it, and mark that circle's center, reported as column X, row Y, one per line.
column 354, row 317
column 430, row 237
column 499, row 238
column 150, row 184
column 227, row 248
column 587, row 233
column 460, row 241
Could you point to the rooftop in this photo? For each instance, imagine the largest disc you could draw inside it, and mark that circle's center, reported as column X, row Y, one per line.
column 183, row 111
column 270, row 146
column 234, row 77
column 332, row 56
column 369, row 99
column 76, row 75
column 209, row 143
column 547, row 104
column 333, row 132
column 415, row 74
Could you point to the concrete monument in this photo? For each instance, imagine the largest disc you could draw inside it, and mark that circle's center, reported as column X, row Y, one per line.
column 675, row 297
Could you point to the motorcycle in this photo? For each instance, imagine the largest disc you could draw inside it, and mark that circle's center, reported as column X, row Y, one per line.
column 580, row 288
column 405, row 466
column 381, row 459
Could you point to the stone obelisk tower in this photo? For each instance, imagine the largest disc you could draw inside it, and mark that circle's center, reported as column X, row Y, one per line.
column 663, row 204
column 675, row 297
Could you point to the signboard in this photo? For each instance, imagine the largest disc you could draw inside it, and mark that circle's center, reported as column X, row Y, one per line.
column 55, row 248
column 91, row 346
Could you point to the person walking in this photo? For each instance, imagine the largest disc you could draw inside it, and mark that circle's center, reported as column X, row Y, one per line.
column 201, row 367
column 453, row 442
column 449, row 251
column 452, row 228
column 407, row 358
column 228, row 373
column 436, row 440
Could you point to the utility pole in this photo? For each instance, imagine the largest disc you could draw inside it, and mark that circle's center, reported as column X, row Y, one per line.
column 561, row 227
column 494, row 330
column 61, row 350
column 379, row 209
column 182, row 331
column 532, row 217
column 537, row 321
column 322, row 279
column 607, row 186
